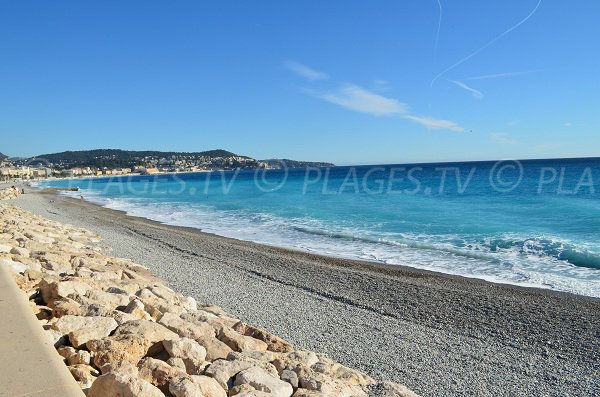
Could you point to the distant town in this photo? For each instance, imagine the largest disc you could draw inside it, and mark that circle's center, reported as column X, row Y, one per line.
column 109, row 162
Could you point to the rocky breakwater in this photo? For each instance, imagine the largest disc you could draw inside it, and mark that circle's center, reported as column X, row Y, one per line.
column 123, row 332
column 9, row 193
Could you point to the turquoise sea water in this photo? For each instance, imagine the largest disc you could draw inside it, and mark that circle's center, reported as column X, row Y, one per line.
column 531, row 223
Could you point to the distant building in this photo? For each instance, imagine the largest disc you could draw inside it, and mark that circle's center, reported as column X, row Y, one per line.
column 150, row 171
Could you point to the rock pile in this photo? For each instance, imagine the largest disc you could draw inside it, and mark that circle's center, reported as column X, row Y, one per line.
column 123, row 332
column 9, row 193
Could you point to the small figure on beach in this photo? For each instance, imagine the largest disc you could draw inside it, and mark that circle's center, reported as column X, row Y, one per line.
column 23, row 191
column 81, row 198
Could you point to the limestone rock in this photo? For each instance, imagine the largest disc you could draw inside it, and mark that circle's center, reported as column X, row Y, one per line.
column 130, row 342
column 106, row 299
column 148, row 329
column 156, row 305
column 177, row 363
column 61, row 289
column 274, row 343
column 215, row 349
column 339, row 372
column 84, row 374
column 223, row 370
column 261, row 380
column 121, row 367
column 122, row 385
column 254, row 393
column 186, row 349
column 185, row 328
column 330, row 387
column 290, row 377
column 73, row 356
column 136, row 308
column 242, row 389
column 24, row 252
column 16, row 267
column 158, row 372
column 184, row 387
column 298, row 361
column 39, row 237
column 208, row 386
column 82, row 329
column 240, row 342
column 66, row 306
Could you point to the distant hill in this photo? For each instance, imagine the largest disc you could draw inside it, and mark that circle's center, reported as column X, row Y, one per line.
column 281, row 163
column 3, row 156
column 169, row 161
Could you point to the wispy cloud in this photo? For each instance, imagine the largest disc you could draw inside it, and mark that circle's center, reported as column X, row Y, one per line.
column 501, row 75
column 359, row 99
column 434, row 124
column 476, row 94
column 502, row 138
column 305, row 71
column 353, row 97
column 568, row 124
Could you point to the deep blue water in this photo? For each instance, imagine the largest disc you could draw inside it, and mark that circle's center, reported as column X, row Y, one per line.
column 534, row 223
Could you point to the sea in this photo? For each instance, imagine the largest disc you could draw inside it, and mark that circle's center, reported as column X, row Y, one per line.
column 532, row 223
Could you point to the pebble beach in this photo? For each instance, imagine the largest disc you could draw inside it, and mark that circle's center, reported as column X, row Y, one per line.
column 439, row 335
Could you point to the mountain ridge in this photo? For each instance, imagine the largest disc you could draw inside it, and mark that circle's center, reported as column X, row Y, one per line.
column 119, row 158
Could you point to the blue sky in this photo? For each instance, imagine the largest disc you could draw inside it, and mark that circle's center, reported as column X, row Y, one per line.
column 353, row 82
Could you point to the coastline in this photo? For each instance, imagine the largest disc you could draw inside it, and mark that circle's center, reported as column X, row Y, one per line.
column 438, row 334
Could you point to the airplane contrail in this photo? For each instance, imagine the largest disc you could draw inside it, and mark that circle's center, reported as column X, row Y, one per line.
column 476, row 94
column 487, row 44
column 501, row 75
column 439, row 29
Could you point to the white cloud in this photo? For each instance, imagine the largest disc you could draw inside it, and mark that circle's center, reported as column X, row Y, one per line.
column 502, row 138
column 305, row 71
column 353, row 97
column 476, row 94
column 435, row 124
column 359, row 99
column 356, row 98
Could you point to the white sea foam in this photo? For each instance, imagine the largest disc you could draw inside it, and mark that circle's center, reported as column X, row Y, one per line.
column 524, row 264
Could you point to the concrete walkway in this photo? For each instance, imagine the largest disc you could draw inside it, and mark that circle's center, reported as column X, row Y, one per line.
column 29, row 364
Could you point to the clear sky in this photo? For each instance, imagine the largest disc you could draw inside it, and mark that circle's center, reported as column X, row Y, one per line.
column 352, row 82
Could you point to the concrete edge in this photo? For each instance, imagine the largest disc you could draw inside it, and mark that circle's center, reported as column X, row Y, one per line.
column 30, row 365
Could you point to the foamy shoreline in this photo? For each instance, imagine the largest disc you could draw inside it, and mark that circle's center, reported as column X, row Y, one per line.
column 541, row 260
